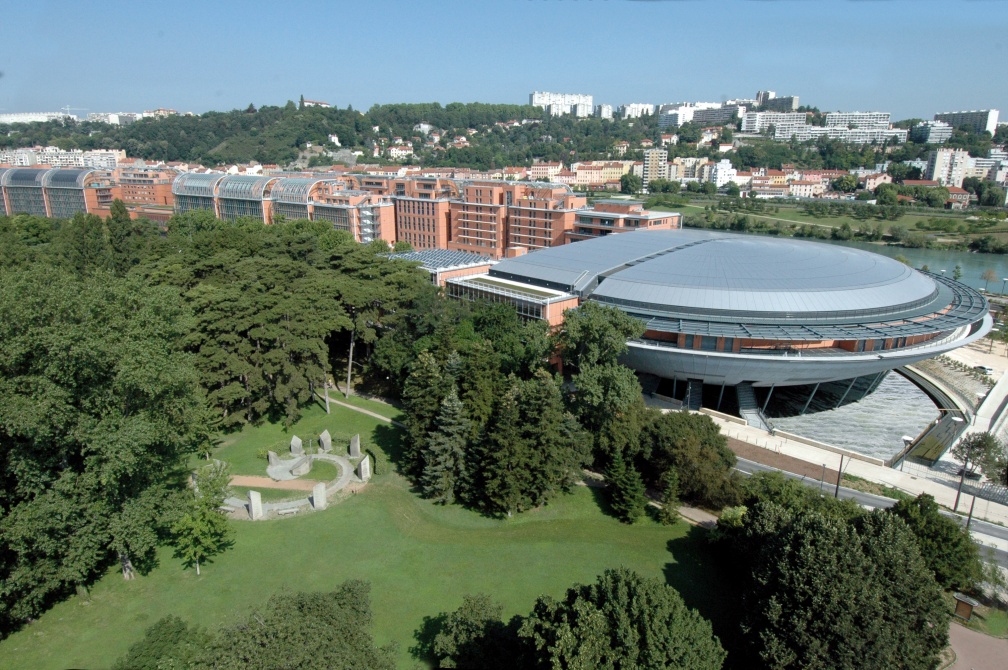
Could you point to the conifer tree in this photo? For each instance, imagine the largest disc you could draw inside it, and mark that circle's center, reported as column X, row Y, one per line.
column 626, row 490
column 445, row 459
column 669, row 512
column 506, row 458
column 422, row 394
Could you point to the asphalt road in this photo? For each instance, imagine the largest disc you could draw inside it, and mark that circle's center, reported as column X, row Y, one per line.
column 977, row 527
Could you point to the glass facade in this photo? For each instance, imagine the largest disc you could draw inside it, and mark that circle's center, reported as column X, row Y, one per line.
column 65, row 202
column 26, row 200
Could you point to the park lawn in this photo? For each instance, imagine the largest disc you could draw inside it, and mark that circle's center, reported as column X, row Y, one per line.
column 792, row 214
column 376, row 406
column 241, row 449
column 988, row 620
column 269, row 495
column 420, row 559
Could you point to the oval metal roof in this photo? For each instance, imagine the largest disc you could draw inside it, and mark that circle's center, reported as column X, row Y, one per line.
column 712, row 275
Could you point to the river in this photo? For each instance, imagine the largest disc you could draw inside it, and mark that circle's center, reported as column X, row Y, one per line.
column 973, row 265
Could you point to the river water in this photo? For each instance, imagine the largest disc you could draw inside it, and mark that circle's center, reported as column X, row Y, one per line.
column 973, row 265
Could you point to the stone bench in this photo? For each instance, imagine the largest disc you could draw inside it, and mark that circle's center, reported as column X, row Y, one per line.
column 285, row 512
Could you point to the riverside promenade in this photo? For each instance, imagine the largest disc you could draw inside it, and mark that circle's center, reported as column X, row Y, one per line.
column 940, row 481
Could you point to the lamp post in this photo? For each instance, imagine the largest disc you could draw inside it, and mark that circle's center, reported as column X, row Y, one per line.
column 962, row 474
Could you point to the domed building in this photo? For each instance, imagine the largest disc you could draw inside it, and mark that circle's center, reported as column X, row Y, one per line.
column 749, row 311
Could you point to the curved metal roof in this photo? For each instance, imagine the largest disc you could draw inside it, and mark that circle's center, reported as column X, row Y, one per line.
column 243, row 187
column 202, row 185
column 748, row 274
column 66, row 178
column 726, row 284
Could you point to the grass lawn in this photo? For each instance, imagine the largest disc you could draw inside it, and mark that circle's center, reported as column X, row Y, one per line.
column 420, row 559
column 376, row 406
column 988, row 620
column 242, row 449
column 791, row 214
column 269, row 495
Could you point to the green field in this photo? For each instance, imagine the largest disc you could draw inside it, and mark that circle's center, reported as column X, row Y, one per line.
column 789, row 214
column 419, row 557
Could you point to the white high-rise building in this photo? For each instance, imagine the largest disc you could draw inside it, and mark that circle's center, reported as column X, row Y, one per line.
column 604, row 111
column 978, row 120
column 35, row 117
column 722, row 173
column 867, row 120
column 562, row 103
column 635, row 110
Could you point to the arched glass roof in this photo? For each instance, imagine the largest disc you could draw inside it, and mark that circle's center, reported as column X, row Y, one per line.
column 295, row 190
column 196, row 184
column 243, row 187
column 24, row 176
column 66, row 178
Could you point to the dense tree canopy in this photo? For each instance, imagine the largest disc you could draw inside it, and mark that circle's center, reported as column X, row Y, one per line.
column 101, row 404
column 296, row 630
column 827, row 585
column 623, row 620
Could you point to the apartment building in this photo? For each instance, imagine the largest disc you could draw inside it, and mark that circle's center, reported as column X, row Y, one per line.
column 635, row 110
column 976, row 120
column 619, row 216
column 931, row 132
column 477, row 221
column 558, row 104
column 947, row 166
column 540, row 215
column 655, row 165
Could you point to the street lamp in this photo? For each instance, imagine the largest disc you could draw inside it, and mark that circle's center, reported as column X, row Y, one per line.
column 962, row 474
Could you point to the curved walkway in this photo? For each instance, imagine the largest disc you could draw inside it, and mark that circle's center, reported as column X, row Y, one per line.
column 267, row 483
column 976, row 651
column 347, row 482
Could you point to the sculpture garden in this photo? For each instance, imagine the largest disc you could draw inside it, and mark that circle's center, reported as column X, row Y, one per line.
column 419, row 557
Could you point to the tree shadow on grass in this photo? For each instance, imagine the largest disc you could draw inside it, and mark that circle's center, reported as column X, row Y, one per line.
column 423, row 637
column 708, row 584
column 601, row 498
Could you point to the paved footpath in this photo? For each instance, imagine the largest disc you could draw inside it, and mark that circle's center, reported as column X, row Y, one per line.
column 911, row 482
column 267, row 483
column 976, row 651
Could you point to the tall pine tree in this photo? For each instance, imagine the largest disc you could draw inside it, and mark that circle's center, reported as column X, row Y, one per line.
column 626, row 490
column 506, row 458
column 444, row 470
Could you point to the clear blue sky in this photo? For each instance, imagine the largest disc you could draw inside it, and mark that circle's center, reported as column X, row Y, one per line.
column 908, row 57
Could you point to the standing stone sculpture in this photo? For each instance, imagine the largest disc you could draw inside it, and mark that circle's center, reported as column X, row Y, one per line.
column 297, row 448
column 301, row 467
column 255, row 505
column 364, row 469
column 355, row 446
column 273, row 458
column 319, row 496
column 325, row 441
